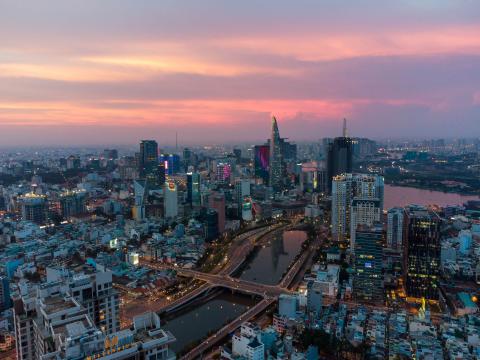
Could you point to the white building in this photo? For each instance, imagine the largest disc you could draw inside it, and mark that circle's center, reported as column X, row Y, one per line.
column 93, row 289
column 345, row 189
column 52, row 325
column 171, row 200
column 247, row 343
column 363, row 212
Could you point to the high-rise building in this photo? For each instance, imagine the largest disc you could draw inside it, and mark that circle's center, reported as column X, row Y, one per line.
column 210, row 221
column 148, row 157
column 193, row 189
column 367, row 192
column 73, row 203
column 395, row 228
column 422, row 252
column 363, row 212
column 217, row 202
column 34, row 208
column 224, row 172
column 172, row 163
column 187, row 159
column 340, row 155
column 93, row 289
column 368, row 278
column 262, row 162
column 171, row 200
column 242, row 190
column 276, row 159
column 51, row 324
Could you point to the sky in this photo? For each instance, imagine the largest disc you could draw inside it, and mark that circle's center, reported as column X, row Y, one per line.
column 115, row 71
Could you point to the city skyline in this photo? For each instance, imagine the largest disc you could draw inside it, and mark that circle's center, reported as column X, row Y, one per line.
column 116, row 72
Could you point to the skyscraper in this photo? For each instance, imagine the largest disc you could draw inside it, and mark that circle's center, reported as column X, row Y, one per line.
column 193, row 189
column 172, row 163
column 368, row 280
column 171, row 200
column 224, row 172
column 365, row 193
column 276, row 161
column 395, row 228
column 339, row 157
column 187, row 159
column 262, row 162
column 217, row 202
column 148, row 160
column 422, row 253
column 363, row 211
column 242, row 190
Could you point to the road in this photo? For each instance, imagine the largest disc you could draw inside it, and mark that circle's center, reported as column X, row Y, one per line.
column 227, row 281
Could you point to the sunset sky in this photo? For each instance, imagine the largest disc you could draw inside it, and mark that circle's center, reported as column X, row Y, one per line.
column 115, row 71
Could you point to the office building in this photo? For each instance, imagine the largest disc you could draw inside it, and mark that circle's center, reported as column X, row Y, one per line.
column 209, row 218
column 73, row 203
column 242, row 191
column 148, row 157
column 276, row 159
column 422, row 253
column 34, row 208
column 193, row 189
column 339, row 156
column 187, row 159
column 262, row 162
column 217, row 202
column 395, row 228
column 223, row 173
column 368, row 278
column 171, row 163
column 366, row 190
column 171, row 200
column 156, row 177
column 363, row 212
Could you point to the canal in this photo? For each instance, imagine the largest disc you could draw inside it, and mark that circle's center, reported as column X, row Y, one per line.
column 265, row 266
column 195, row 322
column 268, row 263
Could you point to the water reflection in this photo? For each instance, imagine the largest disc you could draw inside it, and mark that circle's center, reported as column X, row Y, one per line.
column 197, row 322
column 271, row 261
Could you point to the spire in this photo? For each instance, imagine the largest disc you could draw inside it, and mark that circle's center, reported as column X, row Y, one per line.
column 345, row 134
column 274, row 125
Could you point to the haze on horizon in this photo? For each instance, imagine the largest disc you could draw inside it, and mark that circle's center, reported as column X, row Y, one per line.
column 115, row 71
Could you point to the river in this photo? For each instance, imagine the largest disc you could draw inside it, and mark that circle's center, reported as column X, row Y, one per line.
column 401, row 196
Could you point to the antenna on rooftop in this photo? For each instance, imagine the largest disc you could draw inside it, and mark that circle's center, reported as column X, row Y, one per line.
column 345, row 134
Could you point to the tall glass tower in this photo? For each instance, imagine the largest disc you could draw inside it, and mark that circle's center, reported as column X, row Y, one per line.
column 276, row 178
